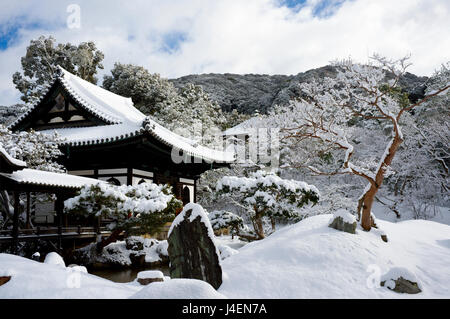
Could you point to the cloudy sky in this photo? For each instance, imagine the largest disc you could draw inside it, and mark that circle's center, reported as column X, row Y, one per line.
column 180, row 37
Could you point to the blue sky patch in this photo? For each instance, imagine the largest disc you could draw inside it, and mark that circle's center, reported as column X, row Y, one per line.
column 323, row 9
column 172, row 41
column 8, row 35
column 10, row 31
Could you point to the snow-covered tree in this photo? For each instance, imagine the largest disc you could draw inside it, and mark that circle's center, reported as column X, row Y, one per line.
column 224, row 219
column 37, row 150
column 421, row 172
column 193, row 114
column 188, row 111
column 330, row 110
column 40, row 62
column 139, row 209
column 149, row 92
column 265, row 194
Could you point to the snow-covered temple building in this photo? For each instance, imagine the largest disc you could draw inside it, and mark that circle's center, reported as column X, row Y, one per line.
column 107, row 138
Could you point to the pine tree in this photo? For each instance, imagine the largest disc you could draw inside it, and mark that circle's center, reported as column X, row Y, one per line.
column 264, row 194
column 42, row 58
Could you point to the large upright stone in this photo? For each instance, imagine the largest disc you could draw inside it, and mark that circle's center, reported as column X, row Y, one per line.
column 192, row 251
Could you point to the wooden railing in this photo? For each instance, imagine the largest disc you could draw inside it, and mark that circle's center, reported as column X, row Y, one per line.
column 45, row 232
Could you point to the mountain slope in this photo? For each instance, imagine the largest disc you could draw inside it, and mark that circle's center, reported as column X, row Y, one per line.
column 251, row 92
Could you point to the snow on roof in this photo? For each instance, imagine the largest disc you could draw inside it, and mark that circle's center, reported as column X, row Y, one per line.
column 245, row 127
column 77, row 136
column 188, row 146
column 124, row 119
column 114, row 108
column 11, row 159
column 92, row 135
column 37, row 177
column 110, row 107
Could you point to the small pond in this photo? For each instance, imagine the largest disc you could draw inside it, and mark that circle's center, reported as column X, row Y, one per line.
column 124, row 275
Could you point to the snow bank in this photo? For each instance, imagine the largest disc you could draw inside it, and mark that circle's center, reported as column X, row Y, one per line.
column 226, row 251
column 31, row 279
column 311, row 260
column 54, row 259
column 178, row 289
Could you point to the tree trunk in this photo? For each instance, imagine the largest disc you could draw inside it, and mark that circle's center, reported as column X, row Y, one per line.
column 258, row 225
column 272, row 221
column 105, row 242
column 369, row 196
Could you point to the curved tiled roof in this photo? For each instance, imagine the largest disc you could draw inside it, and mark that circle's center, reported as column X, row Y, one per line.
column 44, row 178
column 124, row 121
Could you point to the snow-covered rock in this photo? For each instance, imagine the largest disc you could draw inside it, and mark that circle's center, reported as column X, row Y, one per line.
column 401, row 280
column 178, row 289
column 344, row 221
column 54, row 259
column 149, row 276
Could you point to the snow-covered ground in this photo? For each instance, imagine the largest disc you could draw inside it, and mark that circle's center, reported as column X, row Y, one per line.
column 441, row 214
column 31, row 279
column 311, row 260
column 305, row 260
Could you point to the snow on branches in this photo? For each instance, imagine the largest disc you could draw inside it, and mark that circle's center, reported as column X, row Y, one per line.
column 143, row 208
column 224, row 219
column 38, row 150
column 266, row 194
column 329, row 111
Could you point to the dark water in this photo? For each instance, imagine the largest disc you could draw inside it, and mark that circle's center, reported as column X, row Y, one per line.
column 124, row 275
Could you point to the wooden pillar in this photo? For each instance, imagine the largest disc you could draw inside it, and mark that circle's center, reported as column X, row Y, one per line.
column 59, row 208
column 15, row 232
column 28, row 224
column 195, row 190
column 129, row 176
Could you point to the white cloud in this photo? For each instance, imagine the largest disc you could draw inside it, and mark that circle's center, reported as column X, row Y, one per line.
column 234, row 36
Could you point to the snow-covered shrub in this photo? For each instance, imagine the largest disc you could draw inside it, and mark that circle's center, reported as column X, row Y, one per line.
column 135, row 243
column 264, row 194
column 223, row 219
column 139, row 209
